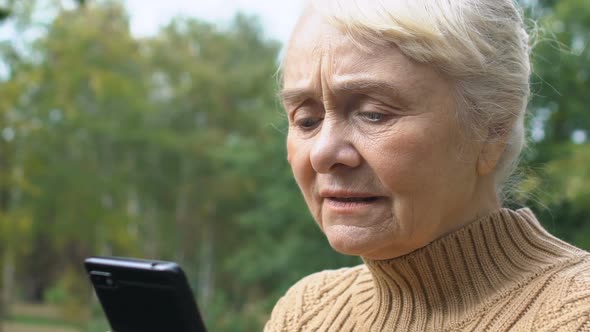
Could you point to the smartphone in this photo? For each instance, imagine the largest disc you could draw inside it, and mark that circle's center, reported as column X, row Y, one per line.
column 143, row 295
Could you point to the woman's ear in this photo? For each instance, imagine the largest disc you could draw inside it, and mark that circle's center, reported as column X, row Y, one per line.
column 491, row 152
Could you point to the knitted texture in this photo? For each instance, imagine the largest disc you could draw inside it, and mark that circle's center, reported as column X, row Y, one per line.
column 503, row 272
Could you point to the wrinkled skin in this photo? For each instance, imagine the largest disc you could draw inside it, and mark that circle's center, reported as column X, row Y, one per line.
column 376, row 146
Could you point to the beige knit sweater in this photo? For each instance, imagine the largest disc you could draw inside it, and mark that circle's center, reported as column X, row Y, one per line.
column 503, row 272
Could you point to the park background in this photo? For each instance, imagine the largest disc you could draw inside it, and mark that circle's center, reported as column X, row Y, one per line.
column 171, row 146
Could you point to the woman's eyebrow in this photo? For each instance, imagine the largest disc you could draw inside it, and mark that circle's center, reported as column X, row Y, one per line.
column 295, row 95
column 367, row 86
column 359, row 86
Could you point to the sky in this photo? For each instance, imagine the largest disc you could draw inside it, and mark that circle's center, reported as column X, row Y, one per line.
column 277, row 17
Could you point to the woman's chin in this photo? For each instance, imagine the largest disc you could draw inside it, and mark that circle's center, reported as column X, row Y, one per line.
column 352, row 240
column 370, row 243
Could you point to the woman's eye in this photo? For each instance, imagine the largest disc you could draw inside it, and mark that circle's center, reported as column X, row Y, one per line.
column 373, row 116
column 308, row 123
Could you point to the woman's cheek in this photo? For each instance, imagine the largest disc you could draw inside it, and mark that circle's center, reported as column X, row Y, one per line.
column 403, row 165
column 291, row 148
column 298, row 157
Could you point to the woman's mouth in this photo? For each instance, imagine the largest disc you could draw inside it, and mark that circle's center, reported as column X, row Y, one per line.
column 350, row 205
column 349, row 202
column 353, row 199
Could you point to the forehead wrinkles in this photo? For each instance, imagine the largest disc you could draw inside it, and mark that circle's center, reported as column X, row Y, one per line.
column 343, row 62
column 321, row 57
column 326, row 72
column 303, row 59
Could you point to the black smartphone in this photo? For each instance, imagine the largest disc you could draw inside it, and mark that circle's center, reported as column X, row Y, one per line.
column 144, row 296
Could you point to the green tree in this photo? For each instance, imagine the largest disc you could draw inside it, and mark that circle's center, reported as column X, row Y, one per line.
column 172, row 147
column 561, row 75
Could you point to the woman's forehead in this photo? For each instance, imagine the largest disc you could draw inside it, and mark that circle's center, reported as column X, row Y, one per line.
column 320, row 52
column 341, row 67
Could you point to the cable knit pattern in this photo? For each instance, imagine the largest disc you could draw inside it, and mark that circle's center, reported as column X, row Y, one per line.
column 503, row 272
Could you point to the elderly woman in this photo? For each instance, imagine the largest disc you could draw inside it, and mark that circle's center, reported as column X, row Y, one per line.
column 405, row 119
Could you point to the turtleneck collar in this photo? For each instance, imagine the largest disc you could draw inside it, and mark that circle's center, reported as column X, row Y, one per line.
column 449, row 280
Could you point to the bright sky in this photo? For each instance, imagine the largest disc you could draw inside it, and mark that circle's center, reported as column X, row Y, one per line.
column 277, row 17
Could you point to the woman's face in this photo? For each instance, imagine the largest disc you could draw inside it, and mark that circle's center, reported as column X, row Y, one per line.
column 375, row 145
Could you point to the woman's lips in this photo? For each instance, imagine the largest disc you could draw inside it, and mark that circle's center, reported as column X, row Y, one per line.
column 354, row 199
column 350, row 204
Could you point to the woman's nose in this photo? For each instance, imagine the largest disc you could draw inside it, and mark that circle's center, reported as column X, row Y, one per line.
column 333, row 149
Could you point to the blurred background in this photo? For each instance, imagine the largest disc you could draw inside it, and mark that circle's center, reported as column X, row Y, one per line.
column 152, row 129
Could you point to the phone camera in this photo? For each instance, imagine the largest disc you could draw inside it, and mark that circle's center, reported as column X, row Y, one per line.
column 103, row 279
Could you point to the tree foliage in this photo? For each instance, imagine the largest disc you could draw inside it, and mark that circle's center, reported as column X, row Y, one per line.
column 560, row 122
column 172, row 147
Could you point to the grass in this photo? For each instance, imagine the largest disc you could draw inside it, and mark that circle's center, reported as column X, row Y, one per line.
column 23, row 323
column 17, row 327
column 45, row 318
column 43, row 321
